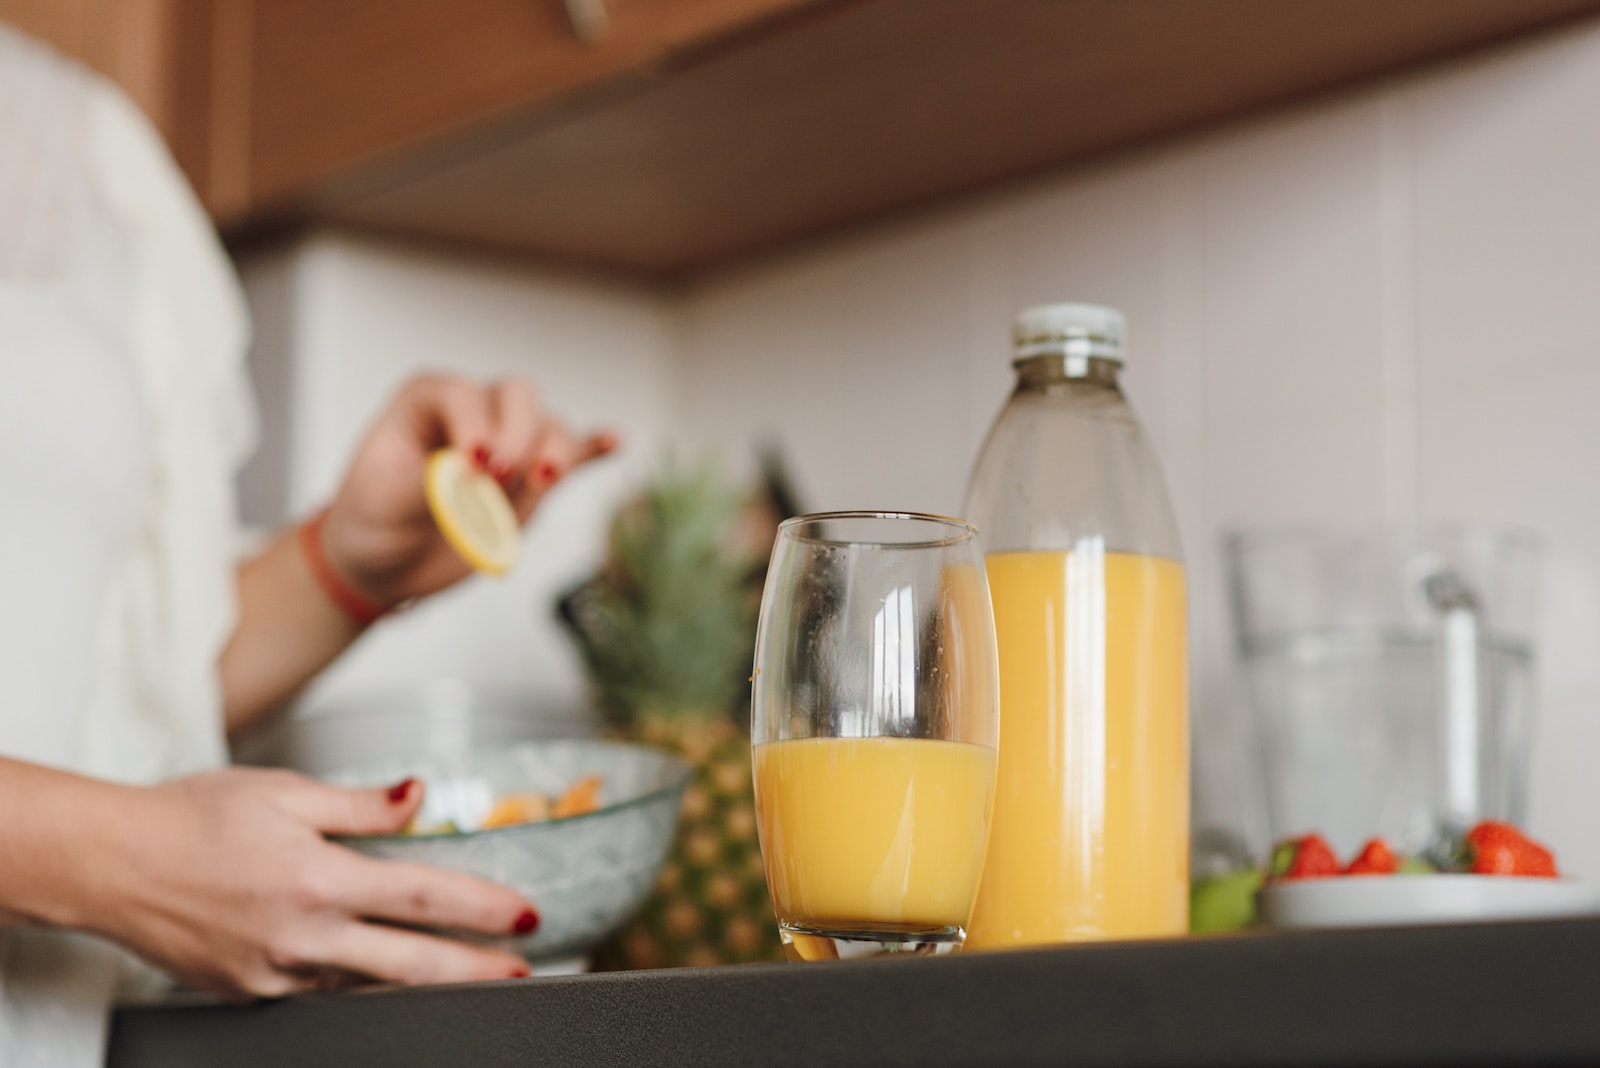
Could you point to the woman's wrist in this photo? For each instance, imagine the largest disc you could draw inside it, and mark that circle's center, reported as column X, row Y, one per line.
column 365, row 555
column 289, row 628
column 362, row 607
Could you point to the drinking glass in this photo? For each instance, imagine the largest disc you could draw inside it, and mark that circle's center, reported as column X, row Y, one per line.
column 874, row 718
column 1392, row 675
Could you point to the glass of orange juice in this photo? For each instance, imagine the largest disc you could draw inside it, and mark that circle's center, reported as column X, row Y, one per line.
column 874, row 717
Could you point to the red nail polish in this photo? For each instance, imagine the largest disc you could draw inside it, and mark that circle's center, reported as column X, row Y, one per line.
column 400, row 791
column 527, row 922
column 547, row 472
column 500, row 471
column 521, row 973
column 480, row 457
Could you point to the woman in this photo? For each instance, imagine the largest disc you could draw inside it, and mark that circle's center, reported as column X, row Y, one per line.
column 131, row 643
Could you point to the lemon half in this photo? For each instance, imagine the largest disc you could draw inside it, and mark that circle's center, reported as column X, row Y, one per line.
column 472, row 512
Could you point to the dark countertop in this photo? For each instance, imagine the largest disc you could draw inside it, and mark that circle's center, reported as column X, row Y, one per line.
column 1525, row 993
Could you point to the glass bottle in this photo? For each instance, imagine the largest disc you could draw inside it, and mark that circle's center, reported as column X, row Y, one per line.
column 1090, row 838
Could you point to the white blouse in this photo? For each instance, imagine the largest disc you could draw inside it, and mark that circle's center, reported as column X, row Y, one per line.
column 124, row 414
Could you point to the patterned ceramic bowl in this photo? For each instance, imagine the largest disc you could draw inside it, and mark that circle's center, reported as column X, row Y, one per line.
column 587, row 874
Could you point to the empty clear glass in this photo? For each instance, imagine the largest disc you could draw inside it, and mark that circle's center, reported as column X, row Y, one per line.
column 1391, row 674
column 874, row 715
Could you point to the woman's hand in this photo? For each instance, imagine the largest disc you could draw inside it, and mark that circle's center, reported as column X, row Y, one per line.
column 225, row 880
column 379, row 534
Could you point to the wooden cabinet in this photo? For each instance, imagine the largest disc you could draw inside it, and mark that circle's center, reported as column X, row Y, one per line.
column 668, row 136
column 264, row 101
column 338, row 85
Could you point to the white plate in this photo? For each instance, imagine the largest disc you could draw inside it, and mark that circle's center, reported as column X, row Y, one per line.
column 1383, row 900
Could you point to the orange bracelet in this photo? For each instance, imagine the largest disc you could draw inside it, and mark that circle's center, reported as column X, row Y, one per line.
column 360, row 610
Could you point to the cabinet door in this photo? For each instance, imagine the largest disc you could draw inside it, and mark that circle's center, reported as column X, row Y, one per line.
column 338, row 84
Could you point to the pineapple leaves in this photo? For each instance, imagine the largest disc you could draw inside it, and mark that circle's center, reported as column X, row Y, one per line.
column 668, row 626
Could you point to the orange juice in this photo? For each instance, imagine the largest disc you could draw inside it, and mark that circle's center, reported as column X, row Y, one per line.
column 869, row 834
column 1091, row 818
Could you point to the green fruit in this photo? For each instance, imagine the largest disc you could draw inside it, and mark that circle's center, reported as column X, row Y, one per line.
column 1415, row 866
column 1224, row 902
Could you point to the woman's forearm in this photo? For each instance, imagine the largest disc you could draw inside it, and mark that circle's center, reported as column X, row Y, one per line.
column 56, row 842
column 288, row 630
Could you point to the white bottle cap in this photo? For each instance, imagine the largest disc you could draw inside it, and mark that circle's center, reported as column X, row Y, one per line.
column 1069, row 330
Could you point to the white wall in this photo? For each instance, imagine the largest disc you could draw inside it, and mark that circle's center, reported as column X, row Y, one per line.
column 1383, row 305
column 342, row 322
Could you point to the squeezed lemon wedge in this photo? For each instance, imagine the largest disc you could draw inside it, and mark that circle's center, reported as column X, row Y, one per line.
column 472, row 512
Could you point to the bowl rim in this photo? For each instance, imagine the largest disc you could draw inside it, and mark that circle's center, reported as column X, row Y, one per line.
column 677, row 785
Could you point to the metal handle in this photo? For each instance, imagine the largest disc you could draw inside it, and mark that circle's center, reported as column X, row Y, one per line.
column 1463, row 747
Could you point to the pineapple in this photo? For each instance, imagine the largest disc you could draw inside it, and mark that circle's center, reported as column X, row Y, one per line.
column 710, row 905
column 667, row 634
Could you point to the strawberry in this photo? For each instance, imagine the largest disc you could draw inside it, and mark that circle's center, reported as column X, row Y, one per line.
column 1375, row 858
column 1309, row 857
column 1498, row 848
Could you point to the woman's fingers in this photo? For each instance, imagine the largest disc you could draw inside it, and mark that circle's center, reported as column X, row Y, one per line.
column 503, row 429
column 451, row 411
column 514, row 405
column 398, row 956
column 347, row 810
column 555, row 453
column 597, row 445
column 558, row 451
column 425, row 896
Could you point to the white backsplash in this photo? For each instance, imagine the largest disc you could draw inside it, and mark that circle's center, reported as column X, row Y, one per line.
column 1382, row 305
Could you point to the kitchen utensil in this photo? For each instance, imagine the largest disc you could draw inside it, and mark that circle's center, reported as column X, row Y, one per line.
column 1384, row 900
column 440, row 718
column 1391, row 676
column 587, row 874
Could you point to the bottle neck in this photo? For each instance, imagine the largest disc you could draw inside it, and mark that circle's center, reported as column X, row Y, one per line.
column 1054, row 371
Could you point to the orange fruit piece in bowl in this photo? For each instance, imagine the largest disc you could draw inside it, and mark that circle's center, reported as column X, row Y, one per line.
column 517, row 808
column 582, row 796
